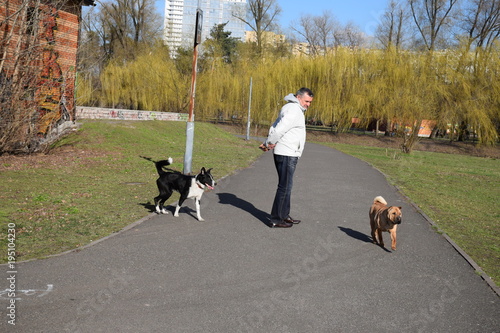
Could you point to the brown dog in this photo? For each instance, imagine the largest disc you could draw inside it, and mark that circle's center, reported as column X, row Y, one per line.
column 384, row 218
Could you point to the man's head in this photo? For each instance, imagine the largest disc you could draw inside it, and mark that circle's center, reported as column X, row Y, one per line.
column 305, row 97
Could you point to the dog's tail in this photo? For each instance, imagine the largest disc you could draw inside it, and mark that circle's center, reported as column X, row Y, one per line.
column 380, row 199
column 160, row 164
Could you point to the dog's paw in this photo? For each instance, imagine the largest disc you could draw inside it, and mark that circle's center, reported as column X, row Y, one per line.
column 201, row 219
column 161, row 210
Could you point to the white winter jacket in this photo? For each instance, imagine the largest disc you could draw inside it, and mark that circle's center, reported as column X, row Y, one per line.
column 289, row 131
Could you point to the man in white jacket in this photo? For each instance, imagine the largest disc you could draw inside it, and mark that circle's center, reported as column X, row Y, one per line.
column 287, row 137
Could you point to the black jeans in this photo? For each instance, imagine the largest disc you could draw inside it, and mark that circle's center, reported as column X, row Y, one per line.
column 285, row 165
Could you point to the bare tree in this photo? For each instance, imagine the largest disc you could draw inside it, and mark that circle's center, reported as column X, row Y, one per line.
column 260, row 17
column 431, row 17
column 307, row 30
column 326, row 25
column 318, row 31
column 323, row 33
column 124, row 25
column 481, row 22
column 353, row 36
column 391, row 30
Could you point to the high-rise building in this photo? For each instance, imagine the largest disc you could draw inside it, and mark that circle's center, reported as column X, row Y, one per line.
column 180, row 19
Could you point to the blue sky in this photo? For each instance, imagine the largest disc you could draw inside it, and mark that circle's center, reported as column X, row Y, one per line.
column 364, row 13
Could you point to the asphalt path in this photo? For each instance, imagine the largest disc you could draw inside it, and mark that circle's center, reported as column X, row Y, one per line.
column 232, row 273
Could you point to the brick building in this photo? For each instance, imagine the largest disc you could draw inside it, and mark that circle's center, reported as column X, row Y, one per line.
column 39, row 39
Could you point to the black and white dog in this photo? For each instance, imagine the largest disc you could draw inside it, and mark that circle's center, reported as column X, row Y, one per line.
column 189, row 187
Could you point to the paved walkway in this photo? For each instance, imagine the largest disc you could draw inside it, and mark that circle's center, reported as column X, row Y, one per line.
column 232, row 273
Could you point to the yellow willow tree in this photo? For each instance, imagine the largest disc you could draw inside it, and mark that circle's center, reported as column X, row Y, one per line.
column 85, row 91
column 415, row 100
column 141, row 74
column 150, row 82
column 344, row 89
column 402, row 88
column 112, row 90
column 454, row 93
column 394, row 88
column 387, row 94
column 219, row 94
column 158, row 85
column 467, row 97
column 328, row 77
column 484, row 112
column 493, row 102
column 223, row 92
column 324, row 78
column 372, row 90
column 323, row 108
column 272, row 80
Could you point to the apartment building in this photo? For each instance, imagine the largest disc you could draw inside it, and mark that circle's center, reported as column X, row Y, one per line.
column 268, row 38
column 180, row 19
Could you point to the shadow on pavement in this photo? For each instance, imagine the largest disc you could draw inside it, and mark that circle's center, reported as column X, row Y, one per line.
column 149, row 206
column 233, row 200
column 359, row 236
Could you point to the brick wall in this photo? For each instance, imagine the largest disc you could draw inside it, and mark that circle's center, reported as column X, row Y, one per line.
column 57, row 48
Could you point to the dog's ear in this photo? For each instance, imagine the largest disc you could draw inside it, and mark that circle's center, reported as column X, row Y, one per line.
column 400, row 208
column 203, row 170
column 208, row 171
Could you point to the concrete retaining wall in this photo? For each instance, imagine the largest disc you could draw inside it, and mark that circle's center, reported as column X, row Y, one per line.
column 84, row 112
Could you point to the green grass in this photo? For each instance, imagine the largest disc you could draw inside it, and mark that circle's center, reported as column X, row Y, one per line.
column 101, row 184
column 459, row 193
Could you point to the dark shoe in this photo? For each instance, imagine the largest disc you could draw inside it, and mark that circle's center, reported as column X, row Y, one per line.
column 290, row 220
column 281, row 225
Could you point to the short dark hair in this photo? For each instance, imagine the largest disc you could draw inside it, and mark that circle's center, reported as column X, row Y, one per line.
column 303, row 91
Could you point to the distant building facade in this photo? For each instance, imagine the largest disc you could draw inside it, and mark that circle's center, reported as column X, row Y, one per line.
column 180, row 18
column 268, row 38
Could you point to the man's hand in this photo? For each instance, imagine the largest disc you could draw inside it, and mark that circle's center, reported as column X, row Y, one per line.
column 263, row 147
column 267, row 147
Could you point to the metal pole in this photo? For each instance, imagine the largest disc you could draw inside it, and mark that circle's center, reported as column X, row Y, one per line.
column 249, row 108
column 188, row 154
